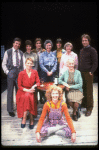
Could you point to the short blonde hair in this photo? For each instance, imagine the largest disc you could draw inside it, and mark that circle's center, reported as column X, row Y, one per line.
column 68, row 43
column 54, row 88
column 30, row 59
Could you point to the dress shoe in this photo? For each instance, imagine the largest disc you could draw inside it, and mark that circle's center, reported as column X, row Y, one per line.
column 31, row 126
column 75, row 118
column 23, row 125
column 78, row 114
column 11, row 114
column 88, row 113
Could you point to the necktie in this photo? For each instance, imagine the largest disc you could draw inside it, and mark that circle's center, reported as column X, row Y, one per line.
column 17, row 59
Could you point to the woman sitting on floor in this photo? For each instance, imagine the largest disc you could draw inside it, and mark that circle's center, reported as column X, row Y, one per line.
column 51, row 120
column 73, row 82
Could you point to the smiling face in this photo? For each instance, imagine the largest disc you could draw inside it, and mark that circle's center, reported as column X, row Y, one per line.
column 28, row 48
column 16, row 45
column 38, row 44
column 71, row 64
column 59, row 45
column 48, row 47
column 55, row 96
column 68, row 48
column 85, row 42
column 29, row 64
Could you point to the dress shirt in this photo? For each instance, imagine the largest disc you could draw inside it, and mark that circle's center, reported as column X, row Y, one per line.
column 5, row 58
column 48, row 59
column 63, row 62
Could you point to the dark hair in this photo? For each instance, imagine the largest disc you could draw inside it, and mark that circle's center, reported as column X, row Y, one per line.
column 17, row 39
column 86, row 36
column 28, row 42
column 59, row 40
column 38, row 39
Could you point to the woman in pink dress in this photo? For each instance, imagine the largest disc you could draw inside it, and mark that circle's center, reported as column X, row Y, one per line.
column 26, row 98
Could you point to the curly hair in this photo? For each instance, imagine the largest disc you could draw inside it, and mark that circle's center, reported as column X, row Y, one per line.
column 54, row 88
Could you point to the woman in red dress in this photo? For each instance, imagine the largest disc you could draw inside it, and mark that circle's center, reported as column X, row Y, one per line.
column 26, row 98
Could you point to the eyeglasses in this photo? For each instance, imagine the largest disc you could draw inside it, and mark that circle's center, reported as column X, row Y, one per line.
column 48, row 45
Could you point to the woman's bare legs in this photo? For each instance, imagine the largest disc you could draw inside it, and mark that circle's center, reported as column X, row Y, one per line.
column 24, row 117
column 31, row 119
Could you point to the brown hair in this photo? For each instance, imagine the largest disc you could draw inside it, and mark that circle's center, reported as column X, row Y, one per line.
column 56, row 88
column 38, row 39
column 28, row 42
column 86, row 36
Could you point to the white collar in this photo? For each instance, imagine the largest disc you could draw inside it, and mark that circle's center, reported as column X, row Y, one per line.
column 14, row 49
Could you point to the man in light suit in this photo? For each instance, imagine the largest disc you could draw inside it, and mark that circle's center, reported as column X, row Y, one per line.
column 12, row 64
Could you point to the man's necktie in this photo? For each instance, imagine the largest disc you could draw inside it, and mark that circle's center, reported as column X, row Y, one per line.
column 17, row 59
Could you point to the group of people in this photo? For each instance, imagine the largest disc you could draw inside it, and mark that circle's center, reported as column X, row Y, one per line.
column 25, row 70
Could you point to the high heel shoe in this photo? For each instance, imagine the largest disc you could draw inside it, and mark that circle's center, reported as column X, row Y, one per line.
column 23, row 125
column 31, row 126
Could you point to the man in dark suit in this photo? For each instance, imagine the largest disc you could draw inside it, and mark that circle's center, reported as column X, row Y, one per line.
column 12, row 64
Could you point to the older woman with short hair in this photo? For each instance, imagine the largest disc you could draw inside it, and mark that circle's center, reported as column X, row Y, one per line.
column 69, row 54
column 48, row 62
column 52, row 119
column 72, row 79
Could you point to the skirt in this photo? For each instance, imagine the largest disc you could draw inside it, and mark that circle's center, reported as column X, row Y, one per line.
column 75, row 96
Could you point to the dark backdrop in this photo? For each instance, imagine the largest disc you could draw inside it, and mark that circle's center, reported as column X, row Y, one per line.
column 47, row 20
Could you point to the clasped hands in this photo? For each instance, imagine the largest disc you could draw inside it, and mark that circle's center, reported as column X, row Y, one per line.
column 67, row 87
column 49, row 73
column 31, row 90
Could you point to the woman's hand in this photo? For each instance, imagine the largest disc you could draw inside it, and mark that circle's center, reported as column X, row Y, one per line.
column 38, row 137
column 67, row 88
column 29, row 90
column 73, row 137
column 49, row 73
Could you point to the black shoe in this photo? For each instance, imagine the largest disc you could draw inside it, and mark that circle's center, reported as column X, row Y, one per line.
column 11, row 114
column 31, row 126
column 75, row 118
column 78, row 114
column 23, row 125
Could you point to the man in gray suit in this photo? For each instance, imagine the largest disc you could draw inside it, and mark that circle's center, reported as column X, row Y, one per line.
column 12, row 64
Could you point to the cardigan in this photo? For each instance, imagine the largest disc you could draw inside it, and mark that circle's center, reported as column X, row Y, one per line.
column 46, row 108
column 77, row 79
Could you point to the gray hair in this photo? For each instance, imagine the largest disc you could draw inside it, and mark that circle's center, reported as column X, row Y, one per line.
column 68, row 43
column 48, row 41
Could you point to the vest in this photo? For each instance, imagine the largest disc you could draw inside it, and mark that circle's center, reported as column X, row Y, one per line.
column 10, row 63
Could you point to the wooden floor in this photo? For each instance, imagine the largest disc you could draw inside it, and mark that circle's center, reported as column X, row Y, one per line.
column 12, row 134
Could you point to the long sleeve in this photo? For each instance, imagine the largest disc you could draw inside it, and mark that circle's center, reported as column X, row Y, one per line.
column 68, row 118
column 20, row 76
column 79, row 84
column 61, row 79
column 76, row 61
column 61, row 64
column 94, row 58
column 42, row 117
column 37, row 79
column 55, row 65
column 4, row 63
column 41, row 62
